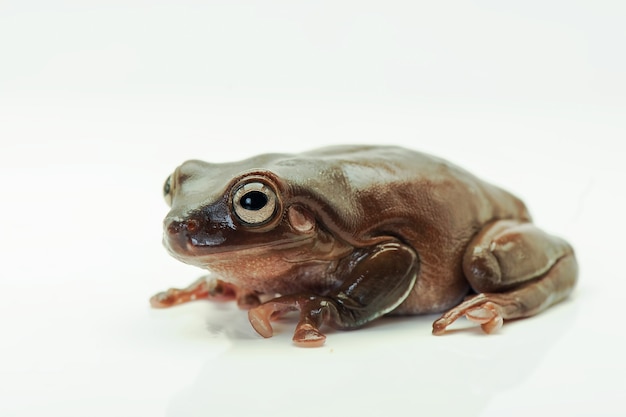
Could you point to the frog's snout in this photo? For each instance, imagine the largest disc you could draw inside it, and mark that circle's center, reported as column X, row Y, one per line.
column 177, row 233
column 191, row 234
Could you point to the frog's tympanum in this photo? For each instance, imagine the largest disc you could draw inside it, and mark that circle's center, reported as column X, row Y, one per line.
column 348, row 234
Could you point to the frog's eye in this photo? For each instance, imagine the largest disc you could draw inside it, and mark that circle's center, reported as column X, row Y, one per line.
column 254, row 203
column 167, row 191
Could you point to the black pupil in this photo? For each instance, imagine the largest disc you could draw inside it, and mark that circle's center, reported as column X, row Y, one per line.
column 254, row 200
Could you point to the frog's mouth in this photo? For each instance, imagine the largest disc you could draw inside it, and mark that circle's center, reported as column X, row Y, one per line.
column 193, row 247
column 201, row 248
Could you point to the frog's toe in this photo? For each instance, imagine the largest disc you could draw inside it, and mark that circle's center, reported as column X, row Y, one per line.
column 163, row 299
column 259, row 318
column 483, row 309
column 439, row 327
column 308, row 336
column 487, row 315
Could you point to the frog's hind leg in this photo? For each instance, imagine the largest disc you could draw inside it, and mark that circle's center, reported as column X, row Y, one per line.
column 517, row 270
column 205, row 288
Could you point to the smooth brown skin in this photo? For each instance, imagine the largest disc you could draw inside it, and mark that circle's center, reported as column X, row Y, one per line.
column 358, row 232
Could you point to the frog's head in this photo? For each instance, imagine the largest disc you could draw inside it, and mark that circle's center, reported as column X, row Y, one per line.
column 220, row 212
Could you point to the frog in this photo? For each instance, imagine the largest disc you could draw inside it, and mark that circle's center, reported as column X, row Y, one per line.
column 346, row 234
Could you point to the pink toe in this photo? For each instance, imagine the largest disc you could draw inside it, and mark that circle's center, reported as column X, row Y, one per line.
column 260, row 322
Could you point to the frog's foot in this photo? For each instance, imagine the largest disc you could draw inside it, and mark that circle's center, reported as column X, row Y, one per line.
column 306, row 334
column 484, row 309
column 202, row 289
column 517, row 270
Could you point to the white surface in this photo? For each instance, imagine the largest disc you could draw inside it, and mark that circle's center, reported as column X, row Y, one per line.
column 100, row 100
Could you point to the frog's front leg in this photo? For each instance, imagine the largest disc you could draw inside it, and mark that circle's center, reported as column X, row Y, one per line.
column 376, row 281
column 517, row 270
column 205, row 288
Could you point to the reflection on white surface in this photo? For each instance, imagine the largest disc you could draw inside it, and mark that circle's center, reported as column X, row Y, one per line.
column 390, row 367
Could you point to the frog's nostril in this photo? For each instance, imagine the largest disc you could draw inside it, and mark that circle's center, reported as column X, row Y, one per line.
column 191, row 225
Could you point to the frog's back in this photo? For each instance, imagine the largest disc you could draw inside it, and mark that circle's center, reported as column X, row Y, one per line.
column 368, row 191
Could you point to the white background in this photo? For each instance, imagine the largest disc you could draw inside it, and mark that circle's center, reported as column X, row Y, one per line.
column 101, row 100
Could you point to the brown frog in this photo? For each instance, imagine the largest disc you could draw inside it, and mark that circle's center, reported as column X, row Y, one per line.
column 348, row 234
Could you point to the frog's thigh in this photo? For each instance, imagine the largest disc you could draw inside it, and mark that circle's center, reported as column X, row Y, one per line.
column 517, row 269
column 507, row 253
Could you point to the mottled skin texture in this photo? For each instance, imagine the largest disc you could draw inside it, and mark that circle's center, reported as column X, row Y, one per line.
column 348, row 234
